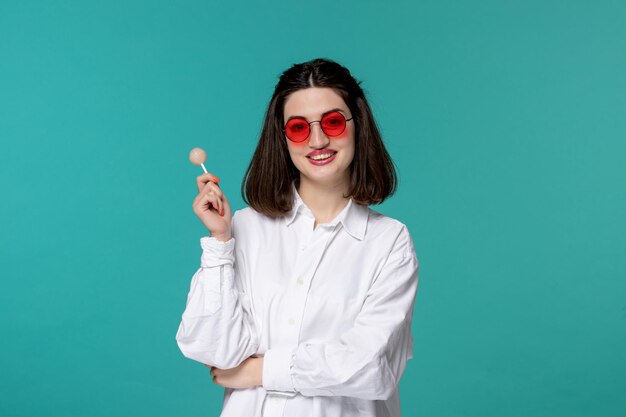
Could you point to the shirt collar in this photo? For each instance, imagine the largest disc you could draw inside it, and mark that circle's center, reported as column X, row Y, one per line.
column 297, row 205
column 353, row 217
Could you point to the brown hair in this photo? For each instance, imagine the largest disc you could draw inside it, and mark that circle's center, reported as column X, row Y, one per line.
column 266, row 186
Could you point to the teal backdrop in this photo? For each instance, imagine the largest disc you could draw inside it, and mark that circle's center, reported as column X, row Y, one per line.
column 507, row 122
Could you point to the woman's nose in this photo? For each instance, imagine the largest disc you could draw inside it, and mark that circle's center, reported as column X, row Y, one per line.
column 317, row 137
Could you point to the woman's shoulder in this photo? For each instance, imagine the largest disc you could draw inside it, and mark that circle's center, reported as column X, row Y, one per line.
column 243, row 214
column 251, row 222
column 248, row 214
column 381, row 227
column 380, row 222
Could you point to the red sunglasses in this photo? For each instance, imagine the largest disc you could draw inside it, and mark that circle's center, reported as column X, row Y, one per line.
column 298, row 129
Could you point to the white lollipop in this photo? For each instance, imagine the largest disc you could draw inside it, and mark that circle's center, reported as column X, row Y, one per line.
column 197, row 156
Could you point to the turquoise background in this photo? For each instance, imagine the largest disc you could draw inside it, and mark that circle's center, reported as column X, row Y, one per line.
column 507, row 121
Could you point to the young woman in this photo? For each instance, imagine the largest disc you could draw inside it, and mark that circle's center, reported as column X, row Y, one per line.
column 303, row 302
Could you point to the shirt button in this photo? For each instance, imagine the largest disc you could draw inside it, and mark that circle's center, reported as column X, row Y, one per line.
column 303, row 247
column 291, row 322
column 300, row 281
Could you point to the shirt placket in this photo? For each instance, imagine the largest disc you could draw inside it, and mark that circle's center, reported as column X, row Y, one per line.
column 310, row 254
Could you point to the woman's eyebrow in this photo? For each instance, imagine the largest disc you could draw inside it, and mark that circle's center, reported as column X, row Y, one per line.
column 323, row 114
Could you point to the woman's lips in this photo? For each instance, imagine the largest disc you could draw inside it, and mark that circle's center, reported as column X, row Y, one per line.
column 322, row 161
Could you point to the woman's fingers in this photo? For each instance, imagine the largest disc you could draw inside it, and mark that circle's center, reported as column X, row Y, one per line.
column 213, row 373
column 211, row 186
column 208, row 200
column 211, row 206
column 201, row 180
column 203, row 202
column 207, row 185
column 226, row 206
column 213, row 191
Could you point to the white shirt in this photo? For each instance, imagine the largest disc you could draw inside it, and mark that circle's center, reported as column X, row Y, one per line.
column 330, row 308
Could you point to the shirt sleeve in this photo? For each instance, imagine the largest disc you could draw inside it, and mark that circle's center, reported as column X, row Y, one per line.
column 369, row 359
column 217, row 326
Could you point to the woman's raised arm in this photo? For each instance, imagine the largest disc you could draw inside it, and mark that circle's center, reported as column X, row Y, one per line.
column 217, row 326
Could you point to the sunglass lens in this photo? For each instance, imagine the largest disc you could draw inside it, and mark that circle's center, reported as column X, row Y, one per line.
column 297, row 130
column 333, row 124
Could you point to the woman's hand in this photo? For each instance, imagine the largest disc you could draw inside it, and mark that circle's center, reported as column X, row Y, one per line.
column 212, row 208
column 247, row 375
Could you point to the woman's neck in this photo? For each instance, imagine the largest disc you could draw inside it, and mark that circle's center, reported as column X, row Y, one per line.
column 325, row 200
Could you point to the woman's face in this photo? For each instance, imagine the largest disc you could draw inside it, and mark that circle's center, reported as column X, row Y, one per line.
column 337, row 152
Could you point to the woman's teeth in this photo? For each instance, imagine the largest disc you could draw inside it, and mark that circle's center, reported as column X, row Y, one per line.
column 321, row 156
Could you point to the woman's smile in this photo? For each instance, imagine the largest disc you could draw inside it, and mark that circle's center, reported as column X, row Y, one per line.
column 322, row 156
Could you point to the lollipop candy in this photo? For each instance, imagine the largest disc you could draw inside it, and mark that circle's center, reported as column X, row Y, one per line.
column 197, row 156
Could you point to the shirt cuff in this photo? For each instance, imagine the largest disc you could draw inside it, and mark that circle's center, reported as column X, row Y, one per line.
column 216, row 252
column 277, row 370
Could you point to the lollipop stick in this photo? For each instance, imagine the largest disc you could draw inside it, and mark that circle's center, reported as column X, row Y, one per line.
column 205, row 171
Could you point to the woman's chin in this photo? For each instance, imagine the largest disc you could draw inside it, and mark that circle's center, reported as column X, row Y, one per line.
column 323, row 178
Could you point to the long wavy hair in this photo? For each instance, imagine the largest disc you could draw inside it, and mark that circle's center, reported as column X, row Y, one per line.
column 266, row 186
